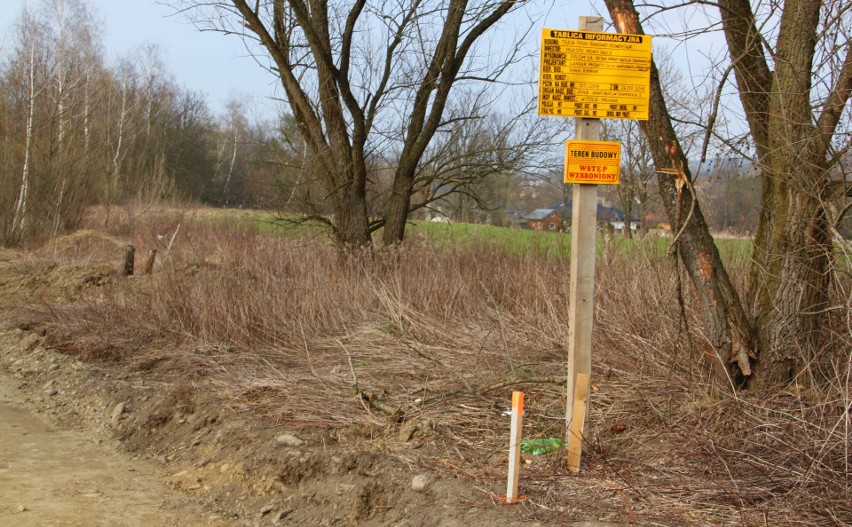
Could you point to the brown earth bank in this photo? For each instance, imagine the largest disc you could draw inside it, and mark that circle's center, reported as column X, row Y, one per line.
column 55, row 476
column 275, row 435
column 235, row 469
column 194, row 445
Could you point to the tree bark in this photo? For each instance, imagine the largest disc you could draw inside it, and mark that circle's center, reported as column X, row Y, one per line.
column 729, row 333
column 351, row 223
column 790, row 271
column 20, row 218
column 396, row 212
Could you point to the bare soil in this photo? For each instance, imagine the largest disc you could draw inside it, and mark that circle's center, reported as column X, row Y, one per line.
column 172, row 458
column 53, row 476
column 96, row 443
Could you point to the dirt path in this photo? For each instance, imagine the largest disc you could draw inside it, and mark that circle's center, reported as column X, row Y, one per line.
column 55, row 477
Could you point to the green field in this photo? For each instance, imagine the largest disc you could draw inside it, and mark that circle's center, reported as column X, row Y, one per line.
column 521, row 241
column 514, row 241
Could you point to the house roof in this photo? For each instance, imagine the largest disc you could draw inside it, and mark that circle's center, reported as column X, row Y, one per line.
column 603, row 213
column 540, row 214
column 609, row 214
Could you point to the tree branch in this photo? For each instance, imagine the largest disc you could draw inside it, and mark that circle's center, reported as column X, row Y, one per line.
column 834, row 105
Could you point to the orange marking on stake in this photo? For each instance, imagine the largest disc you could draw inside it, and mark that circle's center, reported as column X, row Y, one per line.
column 518, row 402
column 515, row 447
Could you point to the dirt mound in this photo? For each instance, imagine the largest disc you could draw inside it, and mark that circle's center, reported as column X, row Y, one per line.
column 85, row 246
column 61, row 271
column 39, row 282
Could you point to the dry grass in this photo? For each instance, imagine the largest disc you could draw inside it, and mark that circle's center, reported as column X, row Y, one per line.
column 292, row 331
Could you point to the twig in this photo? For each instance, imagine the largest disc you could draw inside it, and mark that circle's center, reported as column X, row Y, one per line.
column 503, row 384
column 171, row 241
column 354, row 377
column 441, row 364
column 351, row 366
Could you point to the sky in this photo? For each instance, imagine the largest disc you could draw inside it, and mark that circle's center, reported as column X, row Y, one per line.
column 219, row 65
column 212, row 63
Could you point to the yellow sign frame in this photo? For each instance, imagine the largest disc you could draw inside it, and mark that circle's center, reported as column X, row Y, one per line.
column 594, row 75
column 592, row 162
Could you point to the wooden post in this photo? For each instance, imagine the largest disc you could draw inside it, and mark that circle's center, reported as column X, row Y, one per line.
column 582, row 286
column 575, row 437
column 127, row 265
column 149, row 263
column 515, row 446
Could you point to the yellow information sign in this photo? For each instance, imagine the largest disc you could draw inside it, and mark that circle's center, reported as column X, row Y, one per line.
column 592, row 162
column 594, row 75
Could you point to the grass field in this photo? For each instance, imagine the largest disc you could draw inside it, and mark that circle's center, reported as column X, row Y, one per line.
column 513, row 241
column 460, row 235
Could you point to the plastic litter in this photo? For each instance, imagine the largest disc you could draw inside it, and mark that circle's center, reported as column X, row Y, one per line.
column 537, row 447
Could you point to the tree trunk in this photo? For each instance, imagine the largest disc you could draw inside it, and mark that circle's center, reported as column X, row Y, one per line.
column 729, row 334
column 396, row 213
column 792, row 249
column 791, row 261
column 126, row 268
column 628, row 213
column 352, row 228
column 20, row 218
column 792, row 290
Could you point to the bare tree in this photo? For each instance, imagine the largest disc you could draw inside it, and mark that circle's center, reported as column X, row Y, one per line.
column 19, row 220
column 229, row 143
column 75, row 132
column 794, row 76
column 472, row 169
column 793, row 68
column 730, row 336
column 46, row 80
column 365, row 77
column 159, row 135
column 637, row 170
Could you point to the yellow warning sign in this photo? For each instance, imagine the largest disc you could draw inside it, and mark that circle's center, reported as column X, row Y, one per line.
column 593, row 162
column 594, row 75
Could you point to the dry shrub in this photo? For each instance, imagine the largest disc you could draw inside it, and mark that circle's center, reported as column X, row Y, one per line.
column 293, row 329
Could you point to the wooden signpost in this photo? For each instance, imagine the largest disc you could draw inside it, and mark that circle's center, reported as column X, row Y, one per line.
column 589, row 75
column 596, row 75
column 576, row 429
column 592, row 162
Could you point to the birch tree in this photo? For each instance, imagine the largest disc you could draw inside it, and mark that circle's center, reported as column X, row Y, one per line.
column 46, row 82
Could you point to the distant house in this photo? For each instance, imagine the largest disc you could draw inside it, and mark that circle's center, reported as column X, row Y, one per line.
column 545, row 220
column 656, row 225
column 617, row 218
column 550, row 219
